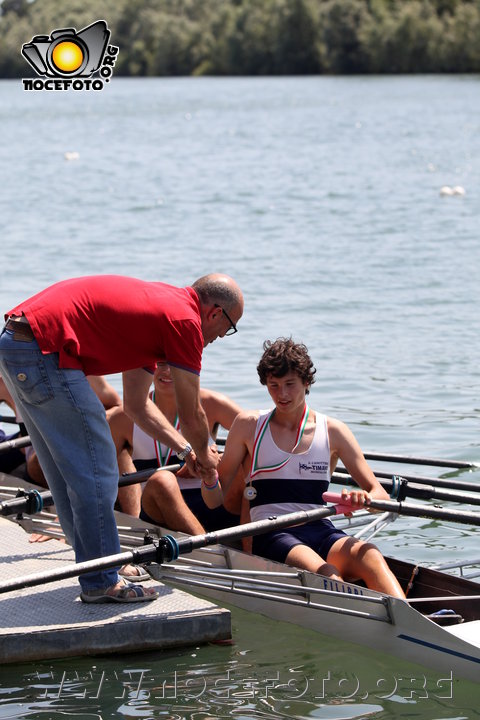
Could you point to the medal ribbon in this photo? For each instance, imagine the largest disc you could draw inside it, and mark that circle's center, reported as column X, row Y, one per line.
column 255, row 469
column 162, row 461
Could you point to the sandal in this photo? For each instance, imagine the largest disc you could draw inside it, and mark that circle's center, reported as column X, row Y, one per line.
column 139, row 575
column 122, row 595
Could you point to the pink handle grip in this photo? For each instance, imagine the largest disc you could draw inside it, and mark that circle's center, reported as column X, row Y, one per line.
column 334, row 497
column 341, row 505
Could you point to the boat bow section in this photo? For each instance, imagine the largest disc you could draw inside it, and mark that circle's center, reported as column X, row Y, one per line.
column 344, row 610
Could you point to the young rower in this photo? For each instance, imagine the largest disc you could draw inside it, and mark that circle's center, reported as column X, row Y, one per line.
column 179, row 501
column 292, row 451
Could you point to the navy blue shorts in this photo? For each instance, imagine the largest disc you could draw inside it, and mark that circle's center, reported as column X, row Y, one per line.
column 216, row 519
column 319, row 535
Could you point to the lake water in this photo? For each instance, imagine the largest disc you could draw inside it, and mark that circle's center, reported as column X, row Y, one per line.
column 321, row 196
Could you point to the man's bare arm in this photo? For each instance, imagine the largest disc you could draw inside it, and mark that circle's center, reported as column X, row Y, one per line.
column 144, row 413
column 193, row 419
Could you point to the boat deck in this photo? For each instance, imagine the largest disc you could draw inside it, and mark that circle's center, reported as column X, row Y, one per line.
column 50, row 621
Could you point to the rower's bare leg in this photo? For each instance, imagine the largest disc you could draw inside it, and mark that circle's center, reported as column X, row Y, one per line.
column 35, row 472
column 357, row 559
column 163, row 501
column 129, row 497
column 303, row 557
column 121, row 427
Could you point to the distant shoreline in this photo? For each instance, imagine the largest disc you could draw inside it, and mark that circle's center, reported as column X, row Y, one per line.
column 260, row 37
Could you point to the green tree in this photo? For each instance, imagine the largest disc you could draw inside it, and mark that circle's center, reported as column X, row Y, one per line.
column 259, row 37
column 342, row 24
column 297, row 51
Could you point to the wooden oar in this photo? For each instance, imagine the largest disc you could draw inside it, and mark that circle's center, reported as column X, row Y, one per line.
column 16, row 443
column 419, row 489
column 33, row 501
column 167, row 548
column 401, row 508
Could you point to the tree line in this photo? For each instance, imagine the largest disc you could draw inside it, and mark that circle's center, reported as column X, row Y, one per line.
column 259, row 37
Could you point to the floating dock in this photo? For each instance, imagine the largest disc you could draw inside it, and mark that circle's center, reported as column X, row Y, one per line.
column 50, row 621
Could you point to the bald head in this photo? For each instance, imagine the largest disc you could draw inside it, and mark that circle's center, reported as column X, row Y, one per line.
column 219, row 289
column 221, row 305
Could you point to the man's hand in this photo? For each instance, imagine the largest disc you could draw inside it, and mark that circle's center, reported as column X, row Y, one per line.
column 189, row 470
column 206, row 464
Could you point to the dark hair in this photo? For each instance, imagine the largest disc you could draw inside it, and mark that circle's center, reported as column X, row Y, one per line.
column 210, row 289
column 283, row 356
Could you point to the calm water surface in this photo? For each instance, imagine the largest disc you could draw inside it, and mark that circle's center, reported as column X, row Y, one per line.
column 321, row 197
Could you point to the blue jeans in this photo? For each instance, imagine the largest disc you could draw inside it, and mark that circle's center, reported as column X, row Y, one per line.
column 70, row 434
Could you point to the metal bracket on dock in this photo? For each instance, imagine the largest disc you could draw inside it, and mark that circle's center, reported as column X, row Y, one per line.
column 166, row 547
column 29, row 502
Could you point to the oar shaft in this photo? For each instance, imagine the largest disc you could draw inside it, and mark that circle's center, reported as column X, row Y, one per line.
column 9, row 419
column 409, row 459
column 342, row 474
column 34, row 501
column 141, row 475
column 75, row 569
column 435, row 513
column 433, row 462
column 16, row 443
column 150, row 553
column 254, row 528
column 420, row 490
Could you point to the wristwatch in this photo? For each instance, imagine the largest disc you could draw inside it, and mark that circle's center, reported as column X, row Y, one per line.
column 186, row 451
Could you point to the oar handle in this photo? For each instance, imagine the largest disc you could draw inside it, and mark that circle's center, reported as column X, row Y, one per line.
column 342, row 505
column 410, row 509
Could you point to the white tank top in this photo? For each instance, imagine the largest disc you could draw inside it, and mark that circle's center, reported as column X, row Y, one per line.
column 146, row 449
column 288, row 482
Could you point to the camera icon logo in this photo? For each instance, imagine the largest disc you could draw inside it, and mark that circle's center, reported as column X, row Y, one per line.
column 66, row 53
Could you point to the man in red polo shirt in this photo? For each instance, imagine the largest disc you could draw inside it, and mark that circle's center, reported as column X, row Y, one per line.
column 97, row 326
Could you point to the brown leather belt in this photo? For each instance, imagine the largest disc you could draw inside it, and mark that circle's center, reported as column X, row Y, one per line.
column 21, row 329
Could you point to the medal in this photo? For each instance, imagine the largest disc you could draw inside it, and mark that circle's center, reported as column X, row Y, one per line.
column 250, row 493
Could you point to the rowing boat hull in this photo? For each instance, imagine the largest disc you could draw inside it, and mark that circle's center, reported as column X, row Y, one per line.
column 343, row 610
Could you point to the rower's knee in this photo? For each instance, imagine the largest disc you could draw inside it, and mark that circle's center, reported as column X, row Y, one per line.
column 159, row 490
column 371, row 556
column 329, row 570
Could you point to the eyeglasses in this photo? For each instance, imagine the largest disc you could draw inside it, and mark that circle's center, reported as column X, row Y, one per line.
column 233, row 328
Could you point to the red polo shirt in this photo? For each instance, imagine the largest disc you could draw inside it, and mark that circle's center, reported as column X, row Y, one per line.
column 110, row 323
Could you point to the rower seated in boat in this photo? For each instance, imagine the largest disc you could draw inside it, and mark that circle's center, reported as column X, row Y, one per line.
column 292, row 451
column 173, row 501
